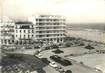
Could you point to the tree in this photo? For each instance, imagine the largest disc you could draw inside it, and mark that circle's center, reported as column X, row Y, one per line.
column 58, row 51
column 69, row 38
column 89, row 47
column 54, row 46
column 68, row 44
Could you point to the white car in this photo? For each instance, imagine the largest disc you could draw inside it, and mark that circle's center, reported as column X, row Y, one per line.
column 53, row 64
column 39, row 55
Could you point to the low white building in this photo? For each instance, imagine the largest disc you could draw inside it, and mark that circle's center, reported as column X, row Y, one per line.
column 49, row 28
column 23, row 32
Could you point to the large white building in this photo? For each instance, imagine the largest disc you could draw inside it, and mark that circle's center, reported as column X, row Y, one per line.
column 49, row 28
column 7, row 31
column 40, row 28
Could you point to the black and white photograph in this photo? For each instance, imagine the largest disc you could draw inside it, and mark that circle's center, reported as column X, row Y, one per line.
column 52, row 36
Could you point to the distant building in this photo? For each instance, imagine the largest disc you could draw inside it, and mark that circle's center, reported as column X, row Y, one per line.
column 49, row 28
column 7, row 31
column 23, row 32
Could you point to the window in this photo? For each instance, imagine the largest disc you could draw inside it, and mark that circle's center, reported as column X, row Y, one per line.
column 1, row 41
column 9, row 42
column 28, row 31
column 40, row 19
column 32, row 31
column 32, row 35
column 16, row 31
column 16, row 26
column 20, row 31
column 24, row 36
column 47, row 35
column 5, row 41
column 20, row 36
column 24, row 31
column 12, row 41
column 28, row 36
column 36, row 19
column 32, row 26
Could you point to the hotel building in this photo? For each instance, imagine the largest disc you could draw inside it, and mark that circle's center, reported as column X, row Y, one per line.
column 23, row 32
column 49, row 28
column 6, row 31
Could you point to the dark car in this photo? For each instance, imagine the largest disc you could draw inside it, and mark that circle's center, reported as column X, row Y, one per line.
column 45, row 60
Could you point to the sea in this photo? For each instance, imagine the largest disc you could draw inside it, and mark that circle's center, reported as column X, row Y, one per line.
column 93, row 32
column 94, row 26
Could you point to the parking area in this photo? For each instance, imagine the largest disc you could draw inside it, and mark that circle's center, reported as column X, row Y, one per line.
column 70, row 52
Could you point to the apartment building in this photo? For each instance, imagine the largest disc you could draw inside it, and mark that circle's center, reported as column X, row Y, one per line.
column 49, row 28
column 7, row 31
column 23, row 32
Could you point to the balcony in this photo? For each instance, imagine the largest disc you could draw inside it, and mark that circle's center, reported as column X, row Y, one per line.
column 7, row 30
column 6, row 37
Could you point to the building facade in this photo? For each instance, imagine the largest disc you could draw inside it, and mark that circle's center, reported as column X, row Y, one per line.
column 23, row 33
column 7, row 31
column 49, row 28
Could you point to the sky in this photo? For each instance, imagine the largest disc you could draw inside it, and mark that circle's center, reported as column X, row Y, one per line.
column 76, row 11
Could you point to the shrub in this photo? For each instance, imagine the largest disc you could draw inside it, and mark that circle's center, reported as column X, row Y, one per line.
column 68, row 44
column 54, row 46
column 89, row 47
column 81, row 44
column 57, row 51
column 68, row 71
column 81, row 63
column 47, row 48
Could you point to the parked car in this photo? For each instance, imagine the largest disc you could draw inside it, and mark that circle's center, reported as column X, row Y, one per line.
column 39, row 55
column 53, row 64
column 45, row 60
